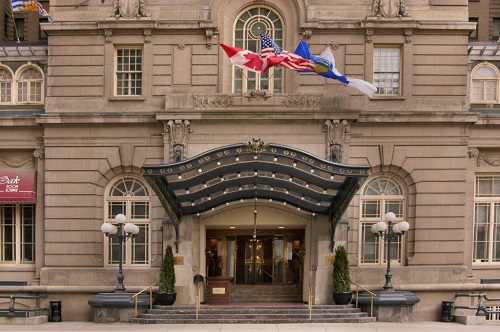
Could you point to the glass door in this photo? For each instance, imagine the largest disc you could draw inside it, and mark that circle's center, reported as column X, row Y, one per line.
column 254, row 260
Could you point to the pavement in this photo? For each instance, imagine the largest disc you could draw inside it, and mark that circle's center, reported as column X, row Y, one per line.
column 314, row 327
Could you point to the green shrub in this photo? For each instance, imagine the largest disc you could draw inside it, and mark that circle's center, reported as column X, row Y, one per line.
column 167, row 272
column 341, row 273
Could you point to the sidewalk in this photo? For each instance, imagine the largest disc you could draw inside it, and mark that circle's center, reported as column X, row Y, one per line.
column 325, row 327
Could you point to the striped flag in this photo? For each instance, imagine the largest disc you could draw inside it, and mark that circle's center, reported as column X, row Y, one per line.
column 30, row 6
column 273, row 55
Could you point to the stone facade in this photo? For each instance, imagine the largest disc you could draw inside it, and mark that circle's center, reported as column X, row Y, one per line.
column 86, row 136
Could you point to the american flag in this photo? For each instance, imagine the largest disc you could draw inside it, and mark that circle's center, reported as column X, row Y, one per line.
column 273, row 55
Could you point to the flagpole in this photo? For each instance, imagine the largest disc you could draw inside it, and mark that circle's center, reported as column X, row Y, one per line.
column 14, row 22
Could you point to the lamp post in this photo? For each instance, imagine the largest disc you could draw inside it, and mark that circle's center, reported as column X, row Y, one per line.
column 389, row 231
column 121, row 233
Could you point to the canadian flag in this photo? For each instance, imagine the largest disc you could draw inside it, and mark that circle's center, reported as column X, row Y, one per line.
column 243, row 58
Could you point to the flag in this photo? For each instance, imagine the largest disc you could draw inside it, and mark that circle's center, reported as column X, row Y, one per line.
column 243, row 58
column 325, row 66
column 30, row 6
column 273, row 55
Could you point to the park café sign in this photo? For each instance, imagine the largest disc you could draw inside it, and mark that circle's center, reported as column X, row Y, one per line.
column 18, row 186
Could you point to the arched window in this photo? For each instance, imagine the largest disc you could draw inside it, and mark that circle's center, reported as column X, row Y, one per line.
column 131, row 197
column 5, row 85
column 249, row 25
column 30, row 85
column 485, row 79
column 380, row 195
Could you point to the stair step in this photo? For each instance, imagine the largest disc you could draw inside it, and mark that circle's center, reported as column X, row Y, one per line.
column 256, row 314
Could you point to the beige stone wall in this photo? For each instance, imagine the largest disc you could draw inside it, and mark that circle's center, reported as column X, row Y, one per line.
column 90, row 136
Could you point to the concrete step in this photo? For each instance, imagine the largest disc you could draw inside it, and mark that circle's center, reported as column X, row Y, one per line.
column 256, row 314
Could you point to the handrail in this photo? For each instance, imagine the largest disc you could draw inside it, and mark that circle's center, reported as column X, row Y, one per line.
column 310, row 301
column 198, row 300
column 480, row 308
column 136, row 295
column 12, row 303
column 372, row 295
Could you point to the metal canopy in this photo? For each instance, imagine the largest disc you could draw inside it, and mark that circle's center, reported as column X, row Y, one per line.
column 255, row 170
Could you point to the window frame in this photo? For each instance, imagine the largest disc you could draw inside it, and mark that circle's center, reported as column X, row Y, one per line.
column 381, row 204
column 40, row 82
column 474, row 34
column 129, row 204
column 474, row 79
column 399, row 71
column 118, row 72
column 19, row 232
column 492, row 204
column 242, row 36
column 5, row 82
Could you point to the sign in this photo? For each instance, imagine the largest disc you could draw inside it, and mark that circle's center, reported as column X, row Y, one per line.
column 17, row 186
column 179, row 260
column 218, row 290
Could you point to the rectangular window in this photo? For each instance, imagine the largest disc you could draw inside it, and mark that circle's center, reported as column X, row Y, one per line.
column 387, row 71
column 6, row 20
column 486, row 247
column 136, row 250
column 5, row 92
column 129, row 72
column 473, row 34
column 41, row 34
column 496, row 28
column 19, row 22
column 17, row 233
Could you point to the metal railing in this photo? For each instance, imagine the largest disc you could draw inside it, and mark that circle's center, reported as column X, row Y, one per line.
column 481, row 309
column 136, row 295
column 310, row 300
column 12, row 304
column 372, row 295
column 198, row 299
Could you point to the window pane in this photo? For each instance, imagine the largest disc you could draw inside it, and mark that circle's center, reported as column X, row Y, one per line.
column 27, row 233
column 129, row 72
column 8, row 233
column 481, row 231
column 386, row 74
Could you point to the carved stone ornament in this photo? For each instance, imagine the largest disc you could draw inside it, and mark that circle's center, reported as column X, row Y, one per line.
column 389, row 9
column 336, row 132
column 482, row 160
column 129, row 9
column 214, row 101
column 178, row 131
column 147, row 36
column 302, row 101
column 368, row 36
column 257, row 94
column 108, row 35
column 26, row 162
column 256, row 146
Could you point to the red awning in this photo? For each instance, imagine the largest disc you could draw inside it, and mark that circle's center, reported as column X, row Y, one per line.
column 17, row 186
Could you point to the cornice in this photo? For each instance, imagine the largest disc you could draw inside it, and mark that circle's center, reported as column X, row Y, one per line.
column 460, row 118
column 101, row 118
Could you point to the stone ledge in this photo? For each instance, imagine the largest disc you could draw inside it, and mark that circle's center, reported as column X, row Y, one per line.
column 475, row 320
column 24, row 321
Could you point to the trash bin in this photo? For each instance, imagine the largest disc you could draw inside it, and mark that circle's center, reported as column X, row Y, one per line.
column 447, row 308
column 55, row 314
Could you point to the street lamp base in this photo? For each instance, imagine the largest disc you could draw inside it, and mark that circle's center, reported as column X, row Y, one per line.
column 390, row 306
column 116, row 307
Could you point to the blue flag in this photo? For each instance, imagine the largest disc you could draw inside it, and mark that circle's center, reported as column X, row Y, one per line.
column 325, row 66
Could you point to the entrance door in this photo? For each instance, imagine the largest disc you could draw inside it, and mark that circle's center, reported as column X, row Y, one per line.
column 271, row 258
column 254, row 260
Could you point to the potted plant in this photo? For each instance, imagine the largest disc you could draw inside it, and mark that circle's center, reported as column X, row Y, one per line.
column 341, row 277
column 166, row 293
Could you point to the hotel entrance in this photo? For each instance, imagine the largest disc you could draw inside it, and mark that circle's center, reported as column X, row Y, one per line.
column 276, row 258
